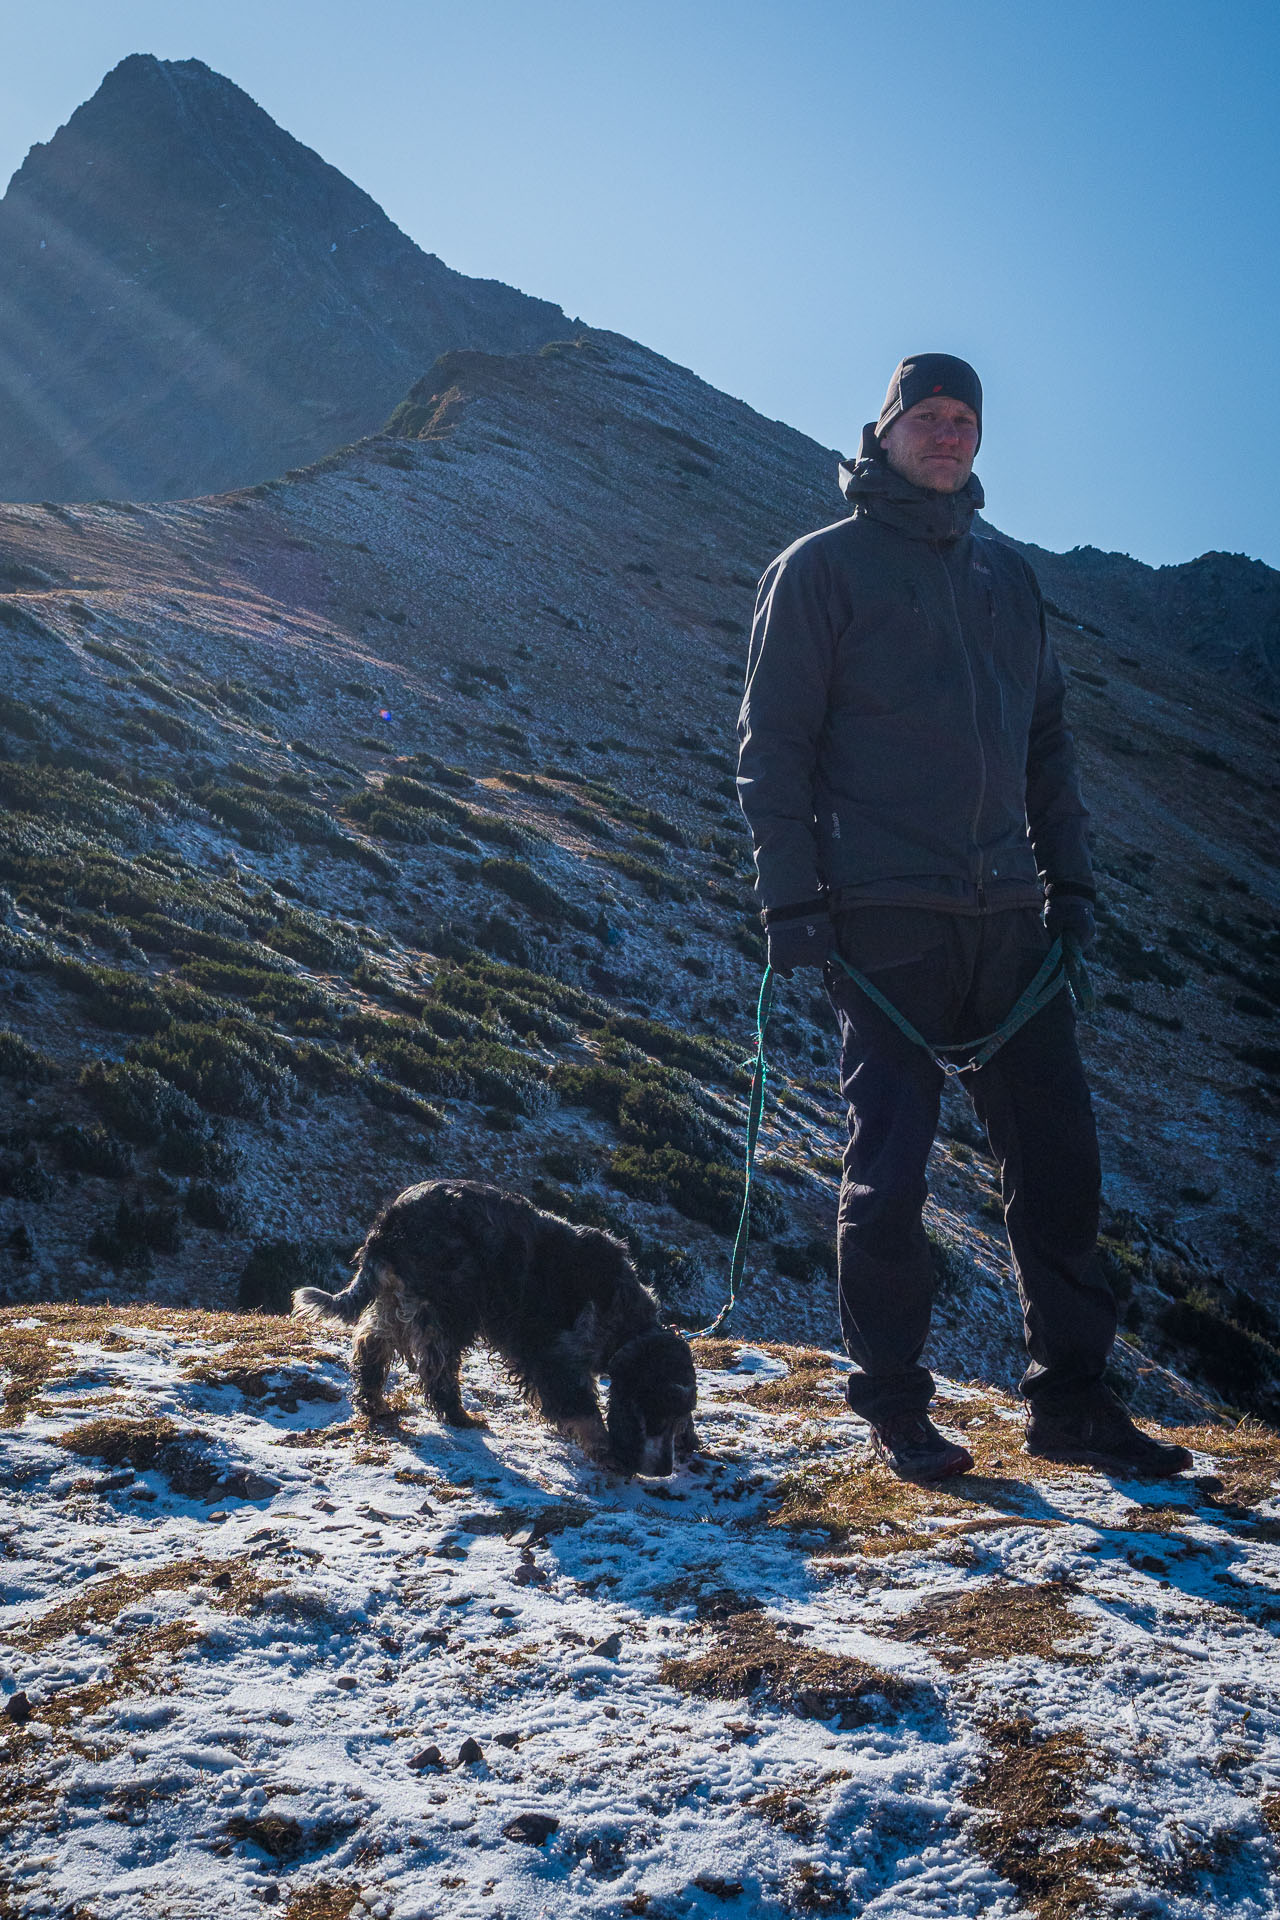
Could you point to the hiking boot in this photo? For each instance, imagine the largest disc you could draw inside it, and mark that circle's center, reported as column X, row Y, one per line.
column 911, row 1446
column 1094, row 1428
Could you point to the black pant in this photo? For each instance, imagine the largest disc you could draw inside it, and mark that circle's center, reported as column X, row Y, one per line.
column 955, row 977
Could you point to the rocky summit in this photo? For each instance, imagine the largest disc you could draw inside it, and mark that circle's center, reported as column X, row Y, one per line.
column 194, row 300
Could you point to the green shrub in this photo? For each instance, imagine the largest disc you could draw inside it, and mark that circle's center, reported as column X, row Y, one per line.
column 93, row 1150
column 218, row 1069
column 518, row 880
column 657, row 884
column 304, row 937
column 702, row 1190
column 180, row 1150
column 211, row 1206
column 136, row 1101
column 696, row 1056
column 19, row 1060
column 814, row 1260
column 1238, row 1363
column 275, row 1268
column 135, row 1234
column 18, row 718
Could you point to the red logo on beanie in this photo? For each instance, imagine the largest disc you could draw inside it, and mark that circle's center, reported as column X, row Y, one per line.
column 938, row 388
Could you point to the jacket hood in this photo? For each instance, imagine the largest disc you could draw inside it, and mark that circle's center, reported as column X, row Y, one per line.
column 871, row 486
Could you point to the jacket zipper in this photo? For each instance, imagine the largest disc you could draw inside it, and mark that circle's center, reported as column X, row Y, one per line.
column 977, row 732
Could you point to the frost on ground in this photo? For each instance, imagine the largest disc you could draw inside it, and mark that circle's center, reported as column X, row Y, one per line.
column 256, row 1655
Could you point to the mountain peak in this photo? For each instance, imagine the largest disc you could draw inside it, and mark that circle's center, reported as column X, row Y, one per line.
column 195, row 300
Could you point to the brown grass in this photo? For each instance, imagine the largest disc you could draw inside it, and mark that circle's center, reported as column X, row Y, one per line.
column 122, row 1442
column 996, row 1621
column 750, row 1656
column 28, row 1360
column 239, row 1588
column 716, row 1355
column 326, row 1900
column 811, row 1385
column 32, row 1355
column 1270, row 1811
column 1025, row 1792
column 1248, row 1458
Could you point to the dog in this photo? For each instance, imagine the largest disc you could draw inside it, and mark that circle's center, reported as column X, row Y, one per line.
column 450, row 1263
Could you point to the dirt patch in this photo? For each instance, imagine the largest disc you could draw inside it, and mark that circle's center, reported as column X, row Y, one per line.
column 993, row 1622
column 750, row 1656
column 1026, row 1792
column 236, row 1585
column 811, row 1385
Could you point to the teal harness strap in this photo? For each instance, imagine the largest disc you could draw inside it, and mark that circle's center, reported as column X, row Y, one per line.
column 755, row 1111
column 1063, row 967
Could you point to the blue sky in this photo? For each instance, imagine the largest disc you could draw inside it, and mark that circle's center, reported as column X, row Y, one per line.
column 787, row 195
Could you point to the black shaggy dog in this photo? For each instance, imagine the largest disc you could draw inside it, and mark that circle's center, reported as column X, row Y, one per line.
column 451, row 1262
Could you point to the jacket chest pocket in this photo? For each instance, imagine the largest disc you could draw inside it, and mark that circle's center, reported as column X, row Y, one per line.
column 891, row 657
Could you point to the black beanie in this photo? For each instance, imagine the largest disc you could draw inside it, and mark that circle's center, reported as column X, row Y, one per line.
column 922, row 375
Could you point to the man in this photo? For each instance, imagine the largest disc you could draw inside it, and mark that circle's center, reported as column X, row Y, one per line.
column 911, row 788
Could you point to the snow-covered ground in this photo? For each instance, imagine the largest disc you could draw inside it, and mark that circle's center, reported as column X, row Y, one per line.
column 449, row 1674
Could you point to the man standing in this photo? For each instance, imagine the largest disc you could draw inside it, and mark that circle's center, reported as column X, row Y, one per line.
column 911, row 789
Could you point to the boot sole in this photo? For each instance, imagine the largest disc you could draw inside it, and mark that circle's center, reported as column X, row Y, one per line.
column 920, row 1478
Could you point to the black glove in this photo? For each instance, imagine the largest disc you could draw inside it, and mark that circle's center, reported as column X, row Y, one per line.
column 798, row 936
column 1069, row 910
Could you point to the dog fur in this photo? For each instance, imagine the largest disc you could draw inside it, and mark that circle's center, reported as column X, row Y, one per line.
column 451, row 1263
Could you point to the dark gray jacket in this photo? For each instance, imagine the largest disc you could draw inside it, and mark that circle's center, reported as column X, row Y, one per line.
column 902, row 732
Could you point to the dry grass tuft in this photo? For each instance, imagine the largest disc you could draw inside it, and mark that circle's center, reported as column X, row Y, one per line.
column 993, row 1622
column 1248, row 1458
column 323, row 1901
column 1025, row 1792
column 750, row 1656
column 36, row 1342
column 133, row 1672
column 267, row 1384
column 1270, row 1811
column 122, row 1442
column 718, row 1356
column 811, row 1385
column 238, row 1587
column 28, row 1359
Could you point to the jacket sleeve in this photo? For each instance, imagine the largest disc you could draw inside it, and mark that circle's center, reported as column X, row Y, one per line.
column 1056, row 814
column 783, row 712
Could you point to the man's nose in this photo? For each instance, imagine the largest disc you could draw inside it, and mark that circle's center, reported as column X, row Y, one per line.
column 947, row 433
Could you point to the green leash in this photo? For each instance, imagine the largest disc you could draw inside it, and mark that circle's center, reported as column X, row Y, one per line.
column 755, row 1111
column 1063, row 967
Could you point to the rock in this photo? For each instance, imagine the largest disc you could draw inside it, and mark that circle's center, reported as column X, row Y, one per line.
column 506, row 1739
column 346, row 1682
column 610, row 1648
column 18, row 1709
column 722, row 1889
column 469, row 1753
column 504, row 1613
column 427, row 1760
column 529, row 1575
column 531, row 1829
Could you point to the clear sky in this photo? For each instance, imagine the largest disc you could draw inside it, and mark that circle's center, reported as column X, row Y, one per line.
column 787, row 195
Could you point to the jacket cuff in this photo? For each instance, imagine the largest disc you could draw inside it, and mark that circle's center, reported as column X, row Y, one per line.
column 1069, row 890
column 797, row 910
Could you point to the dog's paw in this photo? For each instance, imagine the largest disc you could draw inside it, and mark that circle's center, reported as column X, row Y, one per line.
column 588, row 1433
column 459, row 1417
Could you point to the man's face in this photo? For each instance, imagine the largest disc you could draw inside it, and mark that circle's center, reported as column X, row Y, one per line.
column 933, row 444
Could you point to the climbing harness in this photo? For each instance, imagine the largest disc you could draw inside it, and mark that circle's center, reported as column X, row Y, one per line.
column 1063, row 967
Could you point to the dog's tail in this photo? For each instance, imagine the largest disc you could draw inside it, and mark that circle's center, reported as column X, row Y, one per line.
column 313, row 1303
